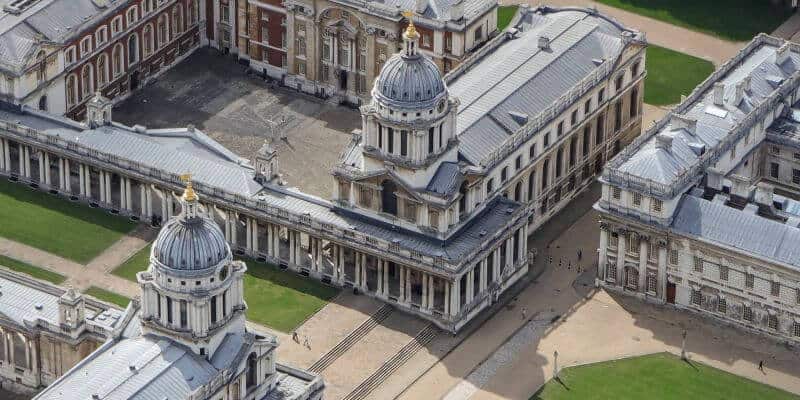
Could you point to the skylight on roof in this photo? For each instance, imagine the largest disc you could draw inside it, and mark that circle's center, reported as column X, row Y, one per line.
column 18, row 6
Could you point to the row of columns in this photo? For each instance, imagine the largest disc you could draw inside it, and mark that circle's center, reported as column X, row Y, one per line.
column 642, row 264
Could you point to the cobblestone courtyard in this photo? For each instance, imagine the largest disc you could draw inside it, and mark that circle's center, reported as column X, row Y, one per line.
column 241, row 111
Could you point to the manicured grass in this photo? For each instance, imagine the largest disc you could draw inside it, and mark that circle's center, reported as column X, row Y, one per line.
column 281, row 299
column 137, row 262
column 53, row 224
column 737, row 20
column 660, row 376
column 110, row 297
column 671, row 74
column 504, row 16
column 36, row 272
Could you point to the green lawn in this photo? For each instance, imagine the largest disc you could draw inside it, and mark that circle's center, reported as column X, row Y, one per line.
column 36, row 272
column 281, row 299
column 504, row 16
column 737, row 20
column 53, row 224
column 671, row 74
column 137, row 262
column 110, row 297
column 660, row 376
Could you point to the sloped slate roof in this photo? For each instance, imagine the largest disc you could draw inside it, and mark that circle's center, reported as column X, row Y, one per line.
column 714, row 123
column 727, row 226
column 519, row 77
column 446, row 179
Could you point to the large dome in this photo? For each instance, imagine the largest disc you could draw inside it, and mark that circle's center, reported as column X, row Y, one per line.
column 190, row 244
column 409, row 81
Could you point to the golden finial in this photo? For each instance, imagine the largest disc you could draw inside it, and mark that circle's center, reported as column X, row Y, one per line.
column 188, row 194
column 411, row 31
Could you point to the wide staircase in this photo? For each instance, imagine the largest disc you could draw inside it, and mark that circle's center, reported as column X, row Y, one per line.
column 394, row 363
column 351, row 339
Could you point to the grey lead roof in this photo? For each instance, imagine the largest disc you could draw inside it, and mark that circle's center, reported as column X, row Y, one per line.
column 727, row 226
column 194, row 244
column 48, row 21
column 519, row 77
column 714, row 123
column 446, row 179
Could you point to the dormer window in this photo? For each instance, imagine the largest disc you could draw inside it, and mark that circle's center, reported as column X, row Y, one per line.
column 223, row 273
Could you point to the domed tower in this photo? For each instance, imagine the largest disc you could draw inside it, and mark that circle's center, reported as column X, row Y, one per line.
column 192, row 291
column 410, row 121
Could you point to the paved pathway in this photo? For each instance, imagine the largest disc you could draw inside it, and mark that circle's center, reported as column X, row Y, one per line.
column 123, row 249
column 660, row 33
column 510, row 357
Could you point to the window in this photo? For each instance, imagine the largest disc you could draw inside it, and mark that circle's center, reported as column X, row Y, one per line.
column 403, row 143
column 87, row 80
column 116, row 25
column 224, row 12
column 546, row 139
column 390, row 140
column 545, row 173
column 618, row 82
column 601, row 95
column 132, row 15
column 133, row 49
column 573, row 119
column 69, row 55
column 599, row 132
column 365, row 197
column 637, row 199
column 433, row 219
column 772, row 322
column 635, row 68
column 747, row 313
column 72, row 90
column 632, row 279
column 116, row 60
column 410, row 211
column 301, row 46
column 795, row 176
column 611, row 272
column 617, row 116
column 147, row 39
column 651, row 283
column 478, row 34
column 587, row 106
column 86, row 46
column 213, row 302
column 656, row 205
column 532, row 151
column 749, row 281
column 102, row 70
column 431, row 141
column 169, row 310
column 224, row 303
column 696, row 297
column 673, row 257
column 559, row 161
column 723, row 273
column 796, row 328
column 163, row 30
column 616, row 192
column 193, row 14
column 775, row 288
column 101, row 35
column 504, row 174
column 560, row 129
column 177, row 20
column 184, row 318
column 698, row 264
column 518, row 162
column 774, row 170
column 634, row 111
column 722, row 306
column 775, row 150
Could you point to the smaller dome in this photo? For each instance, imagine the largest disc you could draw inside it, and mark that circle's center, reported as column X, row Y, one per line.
column 410, row 82
column 190, row 244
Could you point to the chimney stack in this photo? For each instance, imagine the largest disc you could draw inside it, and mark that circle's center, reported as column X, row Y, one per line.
column 664, row 142
column 680, row 121
column 719, row 94
column 739, row 94
column 782, row 54
column 544, row 42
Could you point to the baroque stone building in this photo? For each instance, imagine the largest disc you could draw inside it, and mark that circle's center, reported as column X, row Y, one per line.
column 187, row 338
column 702, row 210
column 433, row 198
column 45, row 330
column 55, row 54
column 337, row 47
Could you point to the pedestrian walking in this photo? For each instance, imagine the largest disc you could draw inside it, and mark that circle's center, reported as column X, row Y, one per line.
column 306, row 343
column 580, row 254
column 524, row 313
column 761, row 365
column 295, row 337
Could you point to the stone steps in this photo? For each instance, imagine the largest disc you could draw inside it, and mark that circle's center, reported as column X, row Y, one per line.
column 392, row 364
column 351, row 339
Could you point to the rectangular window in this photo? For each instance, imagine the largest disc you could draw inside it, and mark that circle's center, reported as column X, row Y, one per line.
column 504, row 174
column 637, row 199
column 673, row 257
column 796, row 176
column 430, row 140
column 169, row 310
column 698, row 264
column 403, row 143
column 749, row 281
column 365, row 197
column 433, row 219
column 775, row 150
column 601, row 95
column 775, row 288
column 722, row 306
column 651, row 283
column 574, row 118
column 723, row 273
column 796, row 328
column 697, row 298
column 656, row 205
column 213, row 302
column 489, row 186
column 611, row 272
column 184, row 319
column 600, row 131
column 390, row 140
column 225, row 303
column 100, row 36
column 747, row 313
column 518, row 163
column 547, row 139
column 772, row 322
column 560, row 129
column 587, row 139
column 617, row 116
column 86, row 46
column 532, row 151
column 616, row 192
column 619, row 81
column 158, row 305
column 587, row 106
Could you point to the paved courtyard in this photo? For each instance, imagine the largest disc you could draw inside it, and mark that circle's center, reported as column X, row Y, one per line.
column 240, row 111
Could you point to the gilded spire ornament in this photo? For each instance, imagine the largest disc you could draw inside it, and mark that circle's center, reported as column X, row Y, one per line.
column 411, row 30
column 188, row 194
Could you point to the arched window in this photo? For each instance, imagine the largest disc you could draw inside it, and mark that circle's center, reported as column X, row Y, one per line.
column 132, row 15
column 177, row 19
column 518, row 192
column 102, row 70
column 117, row 64
column 192, row 12
column 72, row 90
column 389, row 197
column 531, row 182
column 163, row 30
column 20, row 355
column 462, row 202
column 252, row 371
column 147, row 39
column 133, row 49
column 87, row 80
column 43, row 103
column 41, row 67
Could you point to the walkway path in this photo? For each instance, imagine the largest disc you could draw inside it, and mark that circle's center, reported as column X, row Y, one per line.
column 596, row 327
column 660, row 33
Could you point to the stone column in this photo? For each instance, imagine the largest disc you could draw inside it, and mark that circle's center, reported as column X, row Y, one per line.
column 386, row 279
column 357, row 269
column 3, row 152
column 46, row 168
column 149, row 201
column 602, row 257
column 82, row 179
column 483, row 278
column 7, row 154
column 496, row 262
column 164, row 205
column 42, row 168
column 447, row 298
column 61, row 180
column 109, row 199
column 662, row 271
column 123, row 205
column 102, row 186
column 643, row 265
column 249, row 235
column 228, row 226
column 622, row 242
column 471, row 285
column 431, row 292
column 379, row 281
column 171, row 206
column 455, row 294
column 370, row 67
column 128, row 195
column 27, row 162
column 402, row 297
column 255, row 236
column 424, row 299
